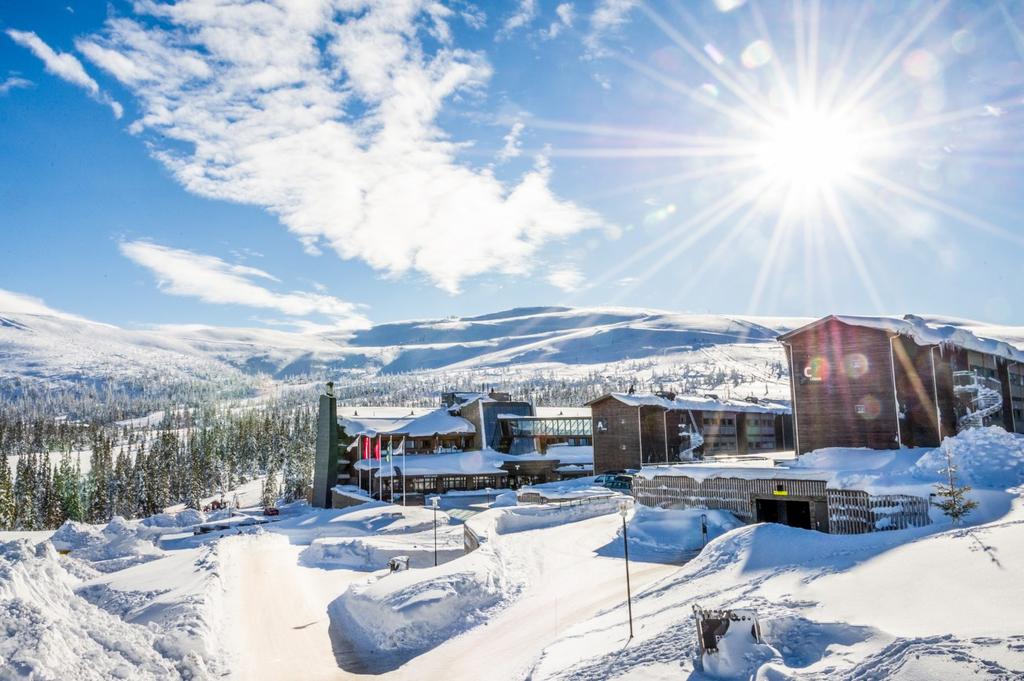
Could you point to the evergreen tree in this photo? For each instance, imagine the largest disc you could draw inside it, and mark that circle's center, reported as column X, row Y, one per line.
column 52, row 512
column 123, row 497
column 955, row 503
column 24, row 493
column 269, row 496
column 139, row 493
column 71, row 493
column 99, row 508
column 6, row 495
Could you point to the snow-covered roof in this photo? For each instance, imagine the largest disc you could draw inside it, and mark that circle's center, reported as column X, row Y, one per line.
column 402, row 421
column 923, row 332
column 697, row 403
column 477, row 462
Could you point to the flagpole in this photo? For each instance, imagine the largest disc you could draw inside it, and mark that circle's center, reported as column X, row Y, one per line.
column 403, row 470
column 391, row 466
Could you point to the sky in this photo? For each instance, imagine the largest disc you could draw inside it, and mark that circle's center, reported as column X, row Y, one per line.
column 326, row 164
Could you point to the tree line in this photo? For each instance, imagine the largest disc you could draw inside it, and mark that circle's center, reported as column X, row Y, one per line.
column 137, row 472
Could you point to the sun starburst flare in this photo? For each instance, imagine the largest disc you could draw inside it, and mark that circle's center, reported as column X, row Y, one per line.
column 812, row 145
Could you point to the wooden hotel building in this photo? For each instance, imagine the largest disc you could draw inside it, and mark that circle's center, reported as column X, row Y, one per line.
column 889, row 382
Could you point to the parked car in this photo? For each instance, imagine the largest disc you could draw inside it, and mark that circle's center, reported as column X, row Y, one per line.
column 618, row 481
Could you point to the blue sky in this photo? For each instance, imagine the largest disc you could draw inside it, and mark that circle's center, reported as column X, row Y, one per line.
column 168, row 164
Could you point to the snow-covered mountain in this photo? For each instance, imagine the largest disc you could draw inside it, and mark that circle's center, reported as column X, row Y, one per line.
column 559, row 342
column 38, row 346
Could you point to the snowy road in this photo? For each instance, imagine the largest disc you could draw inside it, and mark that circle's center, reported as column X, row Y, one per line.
column 276, row 609
column 568, row 584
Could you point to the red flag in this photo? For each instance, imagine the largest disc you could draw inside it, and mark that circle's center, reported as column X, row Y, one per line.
column 376, row 451
column 366, row 448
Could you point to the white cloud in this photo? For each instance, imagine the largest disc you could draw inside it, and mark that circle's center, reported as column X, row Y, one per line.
column 513, row 145
column 607, row 17
column 19, row 303
column 568, row 278
column 65, row 66
column 566, row 15
column 210, row 279
column 13, row 83
column 525, row 13
column 324, row 112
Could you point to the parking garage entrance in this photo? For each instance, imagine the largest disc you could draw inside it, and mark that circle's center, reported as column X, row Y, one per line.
column 785, row 511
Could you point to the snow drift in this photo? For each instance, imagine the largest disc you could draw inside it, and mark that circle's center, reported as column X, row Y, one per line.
column 401, row 615
column 373, row 552
column 51, row 633
column 673, row 530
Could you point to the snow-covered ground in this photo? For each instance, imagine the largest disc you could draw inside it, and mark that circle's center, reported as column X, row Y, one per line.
column 309, row 596
column 539, row 571
column 935, row 602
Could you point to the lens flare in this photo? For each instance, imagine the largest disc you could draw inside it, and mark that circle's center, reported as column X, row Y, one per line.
column 856, row 365
column 810, row 149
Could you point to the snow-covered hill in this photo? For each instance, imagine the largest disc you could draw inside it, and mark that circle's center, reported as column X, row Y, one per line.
column 685, row 351
column 70, row 349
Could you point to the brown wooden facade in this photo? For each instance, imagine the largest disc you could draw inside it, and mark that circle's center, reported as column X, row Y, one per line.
column 860, row 386
column 627, row 436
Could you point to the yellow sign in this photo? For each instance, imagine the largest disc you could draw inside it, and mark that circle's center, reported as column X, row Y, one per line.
column 781, row 493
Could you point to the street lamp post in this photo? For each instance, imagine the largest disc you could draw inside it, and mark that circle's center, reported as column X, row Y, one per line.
column 623, row 510
column 433, row 504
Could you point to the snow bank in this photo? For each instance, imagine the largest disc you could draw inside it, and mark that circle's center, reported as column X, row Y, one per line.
column 577, row 488
column 374, row 552
column 406, row 613
column 177, row 597
column 505, row 499
column 52, row 633
column 174, row 521
column 371, row 518
column 673, row 530
column 117, row 546
column 537, row 516
column 72, row 535
column 987, row 458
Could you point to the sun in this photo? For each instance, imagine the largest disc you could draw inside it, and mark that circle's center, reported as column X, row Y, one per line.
column 807, row 145
column 810, row 150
